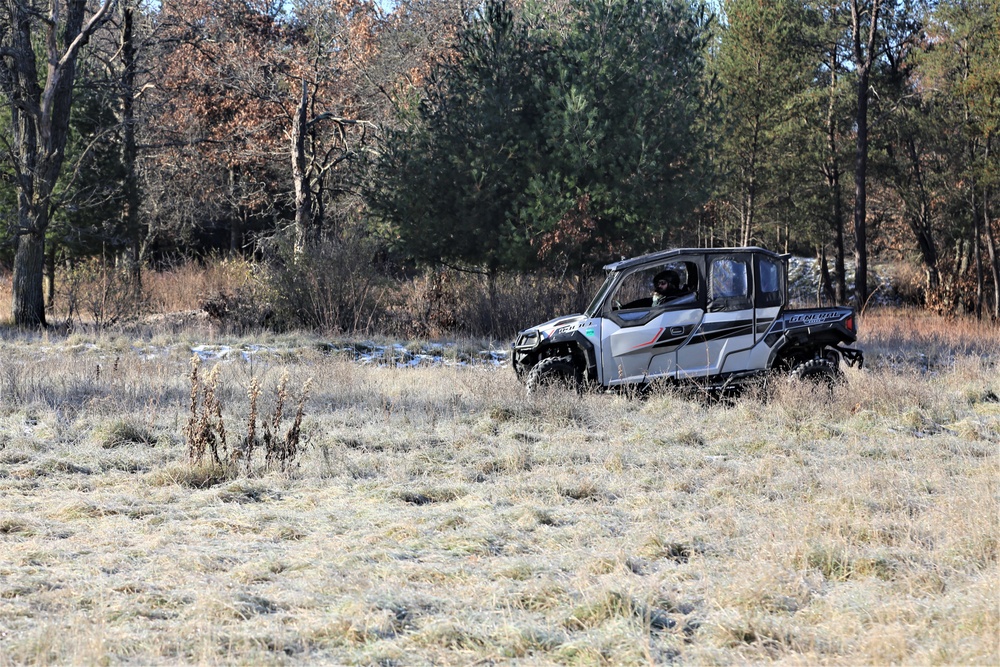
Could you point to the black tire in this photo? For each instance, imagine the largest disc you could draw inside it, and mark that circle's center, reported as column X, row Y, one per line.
column 553, row 372
column 820, row 372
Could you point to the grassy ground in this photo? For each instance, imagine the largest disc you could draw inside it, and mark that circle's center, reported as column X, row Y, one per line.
column 438, row 517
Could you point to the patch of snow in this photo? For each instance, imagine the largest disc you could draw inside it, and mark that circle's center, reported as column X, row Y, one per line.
column 396, row 355
column 212, row 352
column 804, row 280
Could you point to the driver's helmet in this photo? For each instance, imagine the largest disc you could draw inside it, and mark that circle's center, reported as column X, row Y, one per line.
column 667, row 281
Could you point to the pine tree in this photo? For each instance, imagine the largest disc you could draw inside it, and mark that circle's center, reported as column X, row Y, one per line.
column 762, row 67
column 555, row 139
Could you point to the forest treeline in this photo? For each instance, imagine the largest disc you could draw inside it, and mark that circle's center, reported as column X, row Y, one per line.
column 344, row 146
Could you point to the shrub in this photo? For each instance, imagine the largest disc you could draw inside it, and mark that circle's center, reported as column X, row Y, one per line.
column 96, row 292
column 333, row 286
column 443, row 302
column 240, row 311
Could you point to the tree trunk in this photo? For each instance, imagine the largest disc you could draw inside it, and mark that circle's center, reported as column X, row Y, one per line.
column 928, row 252
column 130, row 209
column 237, row 214
column 236, row 228
column 839, row 265
column 833, row 184
column 303, row 193
column 50, row 276
column 28, row 304
column 920, row 222
column 864, row 57
column 962, row 261
column 750, row 195
column 861, row 194
column 491, row 280
column 991, row 249
column 977, row 253
column 825, row 283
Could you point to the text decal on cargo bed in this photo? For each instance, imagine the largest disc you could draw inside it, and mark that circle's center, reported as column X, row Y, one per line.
column 814, row 318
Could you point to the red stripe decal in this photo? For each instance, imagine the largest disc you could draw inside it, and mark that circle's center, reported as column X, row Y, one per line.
column 651, row 341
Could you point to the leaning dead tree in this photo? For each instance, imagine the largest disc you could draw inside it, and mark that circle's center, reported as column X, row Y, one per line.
column 309, row 170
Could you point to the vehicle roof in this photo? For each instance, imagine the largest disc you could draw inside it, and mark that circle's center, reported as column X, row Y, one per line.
column 662, row 255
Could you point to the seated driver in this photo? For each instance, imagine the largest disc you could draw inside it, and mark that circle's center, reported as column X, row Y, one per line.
column 667, row 289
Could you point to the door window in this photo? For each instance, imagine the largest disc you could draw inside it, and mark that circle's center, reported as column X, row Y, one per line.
column 647, row 292
column 728, row 288
column 633, row 292
column 661, row 285
column 769, row 283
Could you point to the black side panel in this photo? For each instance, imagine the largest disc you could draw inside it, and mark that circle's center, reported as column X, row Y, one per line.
column 820, row 326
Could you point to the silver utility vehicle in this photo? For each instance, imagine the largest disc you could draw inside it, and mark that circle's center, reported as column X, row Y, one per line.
column 717, row 317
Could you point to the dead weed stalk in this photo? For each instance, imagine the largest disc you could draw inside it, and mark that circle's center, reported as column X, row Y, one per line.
column 205, row 432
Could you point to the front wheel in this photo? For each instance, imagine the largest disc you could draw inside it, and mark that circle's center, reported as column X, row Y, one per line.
column 553, row 372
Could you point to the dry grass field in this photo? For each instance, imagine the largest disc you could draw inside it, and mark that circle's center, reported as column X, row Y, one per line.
column 436, row 516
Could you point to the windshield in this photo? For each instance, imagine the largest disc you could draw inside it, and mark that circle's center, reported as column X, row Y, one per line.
column 594, row 308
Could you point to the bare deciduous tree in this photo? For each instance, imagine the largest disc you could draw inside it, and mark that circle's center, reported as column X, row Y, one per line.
column 40, row 105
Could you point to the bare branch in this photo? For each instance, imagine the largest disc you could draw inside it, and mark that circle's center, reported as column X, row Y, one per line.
column 85, row 33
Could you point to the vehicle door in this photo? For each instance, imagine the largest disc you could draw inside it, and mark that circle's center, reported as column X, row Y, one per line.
column 768, row 299
column 723, row 341
column 639, row 340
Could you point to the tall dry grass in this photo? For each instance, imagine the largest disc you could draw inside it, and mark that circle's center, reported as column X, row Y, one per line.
column 437, row 516
column 6, row 293
column 334, row 293
column 184, row 287
column 918, row 336
column 188, row 285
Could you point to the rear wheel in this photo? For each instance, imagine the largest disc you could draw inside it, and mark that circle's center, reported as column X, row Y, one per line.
column 820, row 372
column 553, row 372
